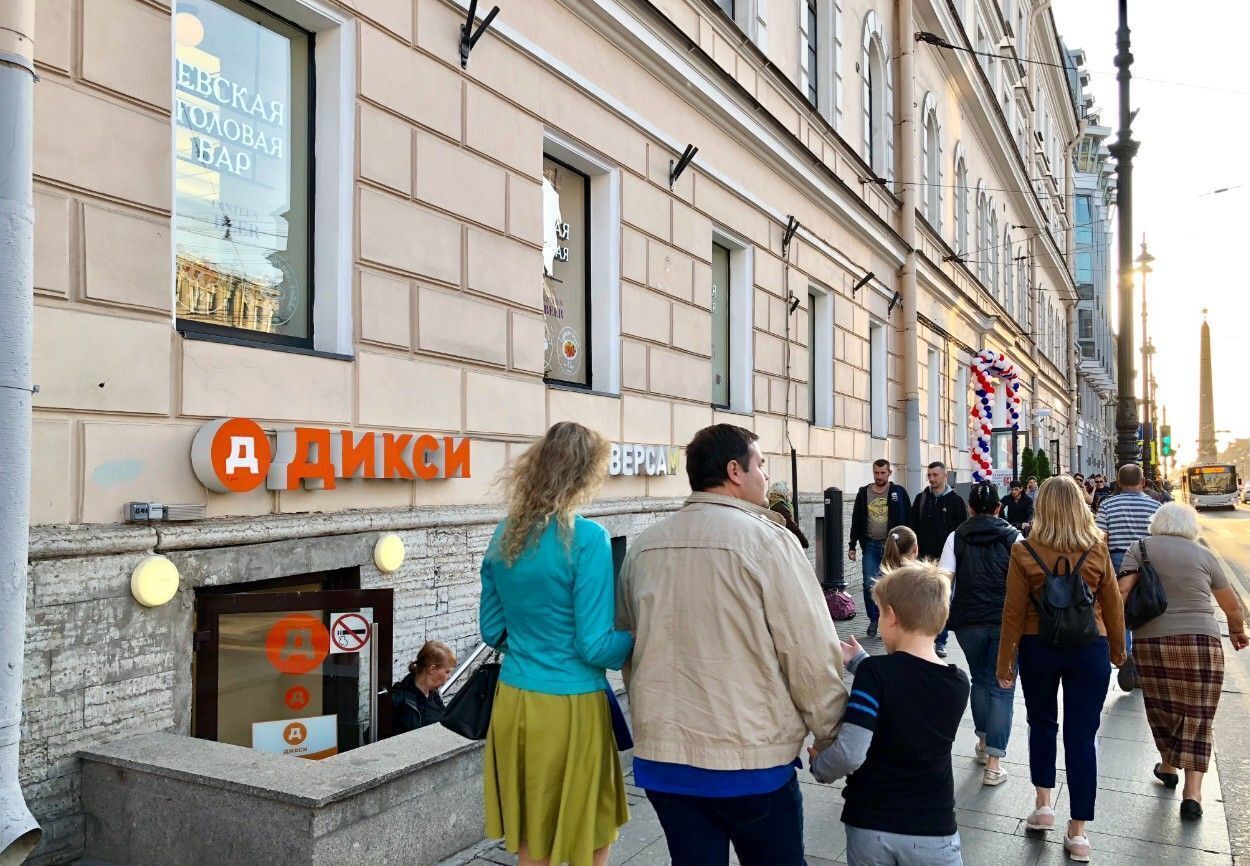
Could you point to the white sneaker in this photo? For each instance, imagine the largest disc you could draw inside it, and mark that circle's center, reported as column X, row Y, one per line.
column 993, row 778
column 1077, row 848
column 1042, row 819
column 982, row 755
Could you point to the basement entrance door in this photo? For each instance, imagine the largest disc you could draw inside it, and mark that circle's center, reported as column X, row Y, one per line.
column 293, row 673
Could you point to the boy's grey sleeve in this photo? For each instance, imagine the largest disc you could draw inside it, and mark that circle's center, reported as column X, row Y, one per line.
column 845, row 756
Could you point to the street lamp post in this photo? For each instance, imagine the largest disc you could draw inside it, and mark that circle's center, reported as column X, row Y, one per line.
column 1123, row 149
column 1147, row 349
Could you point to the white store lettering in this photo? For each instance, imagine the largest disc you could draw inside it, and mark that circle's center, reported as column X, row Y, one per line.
column 634, row 459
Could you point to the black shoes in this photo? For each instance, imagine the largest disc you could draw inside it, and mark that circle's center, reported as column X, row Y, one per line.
column 1170, row 780
column 1191, row 809
column 872, row 628
column 940, row 650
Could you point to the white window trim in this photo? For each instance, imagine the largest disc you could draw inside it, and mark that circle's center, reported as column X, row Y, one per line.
column 874, row 30
column 828, row 58
column 931, row 171
column 741, row 319
column 334, row 152
column 961, row 201
column 822, row 354
column 605, row 256
column 878, row 386
column 934, row 403
column 961, row 408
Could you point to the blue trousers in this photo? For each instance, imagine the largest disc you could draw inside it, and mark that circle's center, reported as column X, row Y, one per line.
column 765, row 829
column 873, row 552
column 874, row 848
column 1083, row 673
column 991, row 703
column 1117, row 562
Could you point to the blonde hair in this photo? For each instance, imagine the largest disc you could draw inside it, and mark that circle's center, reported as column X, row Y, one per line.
column 1062, row 521
column 919, row 593
column 557, row 474
column 434, row 654
column 1176, row 518
column 900, row 542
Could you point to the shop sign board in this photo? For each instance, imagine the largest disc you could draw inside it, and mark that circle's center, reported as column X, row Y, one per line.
column 632, row 459
column 234, row 455
column 349, row 632
column 315, row 737
column 296, row 644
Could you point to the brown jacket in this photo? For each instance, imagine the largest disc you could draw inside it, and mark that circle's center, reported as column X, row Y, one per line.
column 1024, row 580
column 735, row 658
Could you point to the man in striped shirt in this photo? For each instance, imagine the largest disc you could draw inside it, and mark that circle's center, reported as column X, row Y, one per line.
column 1125, row 517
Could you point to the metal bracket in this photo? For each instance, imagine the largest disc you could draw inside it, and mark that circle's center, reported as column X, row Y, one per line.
column 894, row 302
column 863, row 281
column 469, row 36
column 676, row 168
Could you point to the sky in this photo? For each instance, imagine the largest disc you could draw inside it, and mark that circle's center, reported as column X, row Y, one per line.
column 1194, row 132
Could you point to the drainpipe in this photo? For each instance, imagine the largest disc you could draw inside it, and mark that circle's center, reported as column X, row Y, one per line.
column 907, row 173
column 19, row 832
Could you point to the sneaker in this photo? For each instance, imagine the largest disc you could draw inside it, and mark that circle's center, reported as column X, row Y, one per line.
column 872, row 628
column 993, row 778
column 1077, row 848
column 982, row 755
column 940, row 650
column 1042, row 819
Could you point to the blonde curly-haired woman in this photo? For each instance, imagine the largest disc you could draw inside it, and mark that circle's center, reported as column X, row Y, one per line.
column 554, row 788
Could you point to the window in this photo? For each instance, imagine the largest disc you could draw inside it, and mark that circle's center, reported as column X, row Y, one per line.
column 1084, row 266
column 931, row 164
column 992, row 240
column 1009, row 272
column 814, row 71
column 581, row 267
column 961, row 408
column 878, row 372
column 820, row 356
column 961, row 202
column 1085, row 324
column 243, row 173
column 1084, row 224
column 983, row 237
column 878, row 100
column 983, row 51
column 1022, row 284
column 566, row 273
column 820, row 33
column 732, row 322
column 727, row 6
column 935, row 397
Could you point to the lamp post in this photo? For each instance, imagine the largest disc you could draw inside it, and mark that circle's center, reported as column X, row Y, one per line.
column 1147, row 349
column 1123, row 150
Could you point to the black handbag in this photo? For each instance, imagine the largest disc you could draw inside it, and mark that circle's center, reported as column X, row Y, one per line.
column 1147, row 599
column 468, row 714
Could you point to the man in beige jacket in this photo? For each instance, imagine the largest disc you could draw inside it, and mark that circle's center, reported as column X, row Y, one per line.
column 735, row 660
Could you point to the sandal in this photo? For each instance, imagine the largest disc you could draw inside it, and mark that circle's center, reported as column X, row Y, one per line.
column 1169, row 780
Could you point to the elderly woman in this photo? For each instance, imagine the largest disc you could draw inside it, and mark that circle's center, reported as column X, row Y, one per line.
column 1178, row 654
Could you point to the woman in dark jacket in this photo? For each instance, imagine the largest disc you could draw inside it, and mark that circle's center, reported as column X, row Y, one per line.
column 415, row 698
column 978, row 553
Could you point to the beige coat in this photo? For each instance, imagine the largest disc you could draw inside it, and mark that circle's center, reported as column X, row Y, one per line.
column 735, row 656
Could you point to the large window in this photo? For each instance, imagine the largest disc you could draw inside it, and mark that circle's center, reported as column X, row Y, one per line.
column 993, row 254
column 961, row 203
column 1084, row 224
column 566, row 273
column 814, row 72
column 961, row 408
column 931, row 164
column 935, row 397
column 820, row 356
column 721, row 291
column 1084, row 266
column 878, row 99
column 982, row 252
column 243, row 117
column 878, row 374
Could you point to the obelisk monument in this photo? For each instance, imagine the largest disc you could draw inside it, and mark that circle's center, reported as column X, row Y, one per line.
column 1207, row 451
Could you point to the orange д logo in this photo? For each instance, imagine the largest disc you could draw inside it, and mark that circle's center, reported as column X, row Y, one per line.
column 231, row 455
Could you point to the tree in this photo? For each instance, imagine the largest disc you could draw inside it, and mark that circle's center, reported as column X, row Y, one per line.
column 1043, row 466
column 1028, row 464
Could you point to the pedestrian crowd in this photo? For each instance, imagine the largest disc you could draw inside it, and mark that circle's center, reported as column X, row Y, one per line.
column 735, row 671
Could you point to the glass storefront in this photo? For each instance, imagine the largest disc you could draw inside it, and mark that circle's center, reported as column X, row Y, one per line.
column 566, row 273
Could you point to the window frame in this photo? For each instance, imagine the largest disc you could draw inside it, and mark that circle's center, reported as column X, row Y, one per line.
column 932, row 192
column 820, row 355
column 878, row 381
column 741, row 364
column 961, row 408
column 961, row 201
column 933, row 406
column 332, row 142
column 589, row 303
column 877, row 96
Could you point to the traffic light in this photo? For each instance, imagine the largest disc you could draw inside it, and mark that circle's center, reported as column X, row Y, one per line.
column 1166, row 430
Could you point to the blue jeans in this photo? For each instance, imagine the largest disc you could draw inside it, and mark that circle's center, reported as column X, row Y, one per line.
column 873, row 552
column 765, row 829
column 1082, row 671
column 875, row 848
column 1117, row 562
column 991, row 703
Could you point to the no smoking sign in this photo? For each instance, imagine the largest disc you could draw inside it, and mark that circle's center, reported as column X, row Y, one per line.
column 349, row 632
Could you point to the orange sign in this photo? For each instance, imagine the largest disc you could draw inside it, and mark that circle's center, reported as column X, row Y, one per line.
column 297, row 697
column 232, row 454
column 296, row 644
column 295, row 734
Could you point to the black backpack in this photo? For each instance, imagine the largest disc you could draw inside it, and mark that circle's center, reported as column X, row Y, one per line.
column 1065, row 604
column 1147, row 599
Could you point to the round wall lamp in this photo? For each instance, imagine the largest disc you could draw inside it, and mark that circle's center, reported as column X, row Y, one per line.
column 388, row 553
column 154, row 581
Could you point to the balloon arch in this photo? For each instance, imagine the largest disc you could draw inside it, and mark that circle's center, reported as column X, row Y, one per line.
column 989, row 362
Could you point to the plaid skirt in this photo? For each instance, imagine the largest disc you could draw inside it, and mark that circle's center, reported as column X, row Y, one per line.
column 1181, row 676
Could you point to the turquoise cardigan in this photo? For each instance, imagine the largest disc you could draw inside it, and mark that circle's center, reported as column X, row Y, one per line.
column 557, row 605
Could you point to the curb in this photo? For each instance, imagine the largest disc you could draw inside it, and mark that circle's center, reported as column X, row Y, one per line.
column 1232, row 752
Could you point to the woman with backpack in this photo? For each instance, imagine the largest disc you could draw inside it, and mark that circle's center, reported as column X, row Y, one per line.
column 1063, row 624
column 1178, row 653
column 977, row 553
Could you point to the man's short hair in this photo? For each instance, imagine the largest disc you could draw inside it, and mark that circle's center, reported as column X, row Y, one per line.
column 937, row 464
column 1016, row 485
column 1030, row 478
column 1130, row 475
column 710, row 451
column 919, row 593
column 881, row 464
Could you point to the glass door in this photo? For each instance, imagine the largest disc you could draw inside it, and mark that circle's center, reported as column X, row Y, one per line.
column 294, row 673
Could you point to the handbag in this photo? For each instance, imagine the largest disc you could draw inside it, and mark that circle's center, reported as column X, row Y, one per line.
column 620, row 727
column 841, row 605
column 1147, row 599
column 468, row 714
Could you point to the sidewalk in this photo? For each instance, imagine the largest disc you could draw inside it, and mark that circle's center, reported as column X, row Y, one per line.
column 1138, row 819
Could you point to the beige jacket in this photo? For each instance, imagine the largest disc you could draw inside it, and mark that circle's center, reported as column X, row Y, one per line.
column 735, row 656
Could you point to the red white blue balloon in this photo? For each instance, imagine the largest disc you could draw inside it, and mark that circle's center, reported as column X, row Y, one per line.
column 986, row 365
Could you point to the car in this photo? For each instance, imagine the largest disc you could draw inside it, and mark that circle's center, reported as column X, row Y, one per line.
column 1245, row 492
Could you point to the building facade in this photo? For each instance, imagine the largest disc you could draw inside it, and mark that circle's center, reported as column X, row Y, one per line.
column 305, row 278
column 1093, row 270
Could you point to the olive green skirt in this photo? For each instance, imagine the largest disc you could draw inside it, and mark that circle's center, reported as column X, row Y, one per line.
column 553, row 779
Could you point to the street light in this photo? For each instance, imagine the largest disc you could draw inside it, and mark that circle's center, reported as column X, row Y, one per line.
column 1123, row 149
column 1147, row 350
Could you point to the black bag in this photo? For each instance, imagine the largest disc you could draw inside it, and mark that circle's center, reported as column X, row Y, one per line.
column 1147, row 599
column 1065, row 604
column 468, row 714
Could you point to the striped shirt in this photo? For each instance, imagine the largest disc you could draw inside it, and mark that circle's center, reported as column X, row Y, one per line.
column 1125, row 518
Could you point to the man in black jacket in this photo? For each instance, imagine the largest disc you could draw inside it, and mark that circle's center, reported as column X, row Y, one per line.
column 879, row 507
column 937, row 512
column 1018, row 508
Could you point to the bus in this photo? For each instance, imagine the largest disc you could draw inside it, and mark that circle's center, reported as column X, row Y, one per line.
column 1211, row 486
